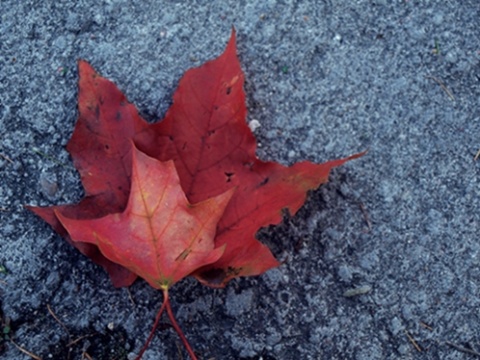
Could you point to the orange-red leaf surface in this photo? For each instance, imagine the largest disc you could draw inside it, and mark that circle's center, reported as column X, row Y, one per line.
column 159, row 236
column 213, row 150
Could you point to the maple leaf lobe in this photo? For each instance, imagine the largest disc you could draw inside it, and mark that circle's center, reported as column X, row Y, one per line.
column 99, row 148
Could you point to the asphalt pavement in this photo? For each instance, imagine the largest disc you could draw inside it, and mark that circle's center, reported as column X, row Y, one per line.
column 383, row 262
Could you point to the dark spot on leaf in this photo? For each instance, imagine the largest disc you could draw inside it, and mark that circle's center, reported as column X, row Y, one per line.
column 118, row 116
column 184, row 146
column 229, row 90
column 264, row 182
column 170, row 137
column 100, row 100
column 215, row 107
column 229, row 176
column 107, row 147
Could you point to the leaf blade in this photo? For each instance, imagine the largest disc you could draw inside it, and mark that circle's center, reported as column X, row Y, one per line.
column 159, row 236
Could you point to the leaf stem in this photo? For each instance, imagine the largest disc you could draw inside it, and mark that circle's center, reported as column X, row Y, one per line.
column 152, row 332
column 177, row 327
column 166, row 306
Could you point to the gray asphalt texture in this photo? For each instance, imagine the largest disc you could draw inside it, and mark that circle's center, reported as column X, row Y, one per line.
column 396, row 231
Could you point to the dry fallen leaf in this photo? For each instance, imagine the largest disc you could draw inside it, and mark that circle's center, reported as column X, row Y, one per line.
column 136, row 218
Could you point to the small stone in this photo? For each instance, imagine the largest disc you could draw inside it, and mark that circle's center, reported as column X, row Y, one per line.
column 48, row 185
column 345, row 273
column 254, row 125
column 360, row 290
column 99, row 19
column 73, row 23
column 451, row 57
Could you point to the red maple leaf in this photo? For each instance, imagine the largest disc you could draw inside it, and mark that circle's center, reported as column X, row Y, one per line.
column 205, row 139
column 159, row 235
